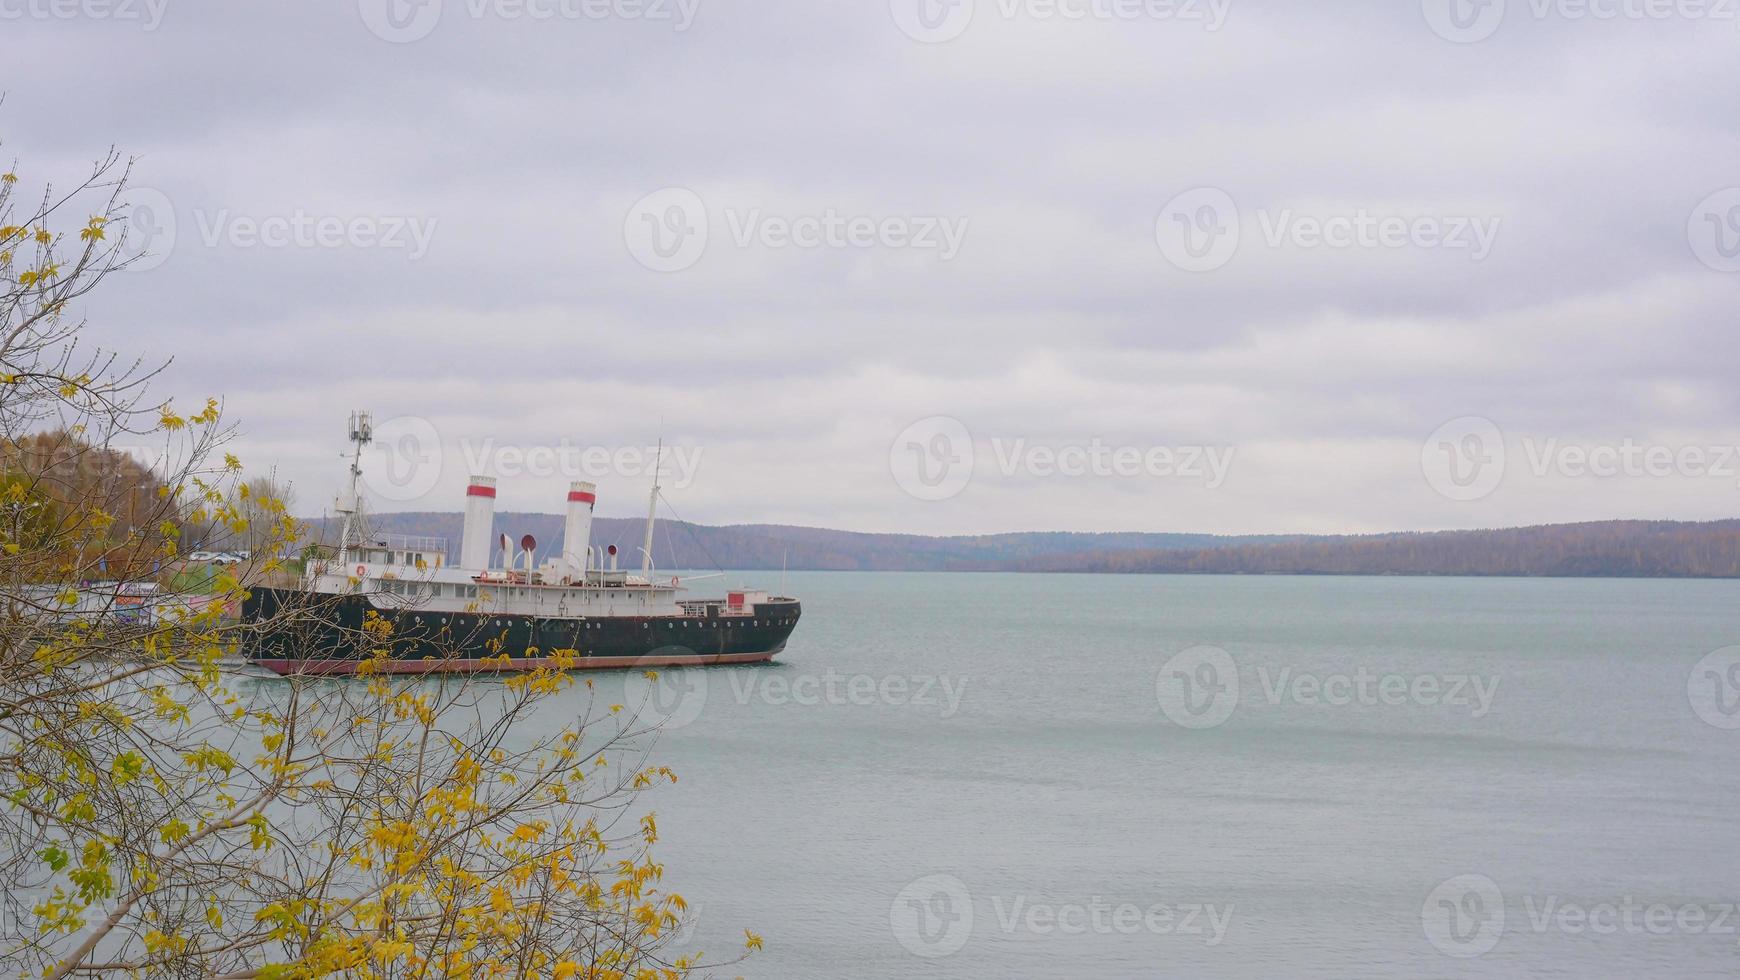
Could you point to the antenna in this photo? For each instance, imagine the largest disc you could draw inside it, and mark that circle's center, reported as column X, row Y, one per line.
column 652, row 513
column 362, row 432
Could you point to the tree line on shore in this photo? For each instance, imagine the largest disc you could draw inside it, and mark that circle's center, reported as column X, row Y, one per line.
column 1621, row 548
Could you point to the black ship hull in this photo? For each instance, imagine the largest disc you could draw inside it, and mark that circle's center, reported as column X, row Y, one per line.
column 306, row 633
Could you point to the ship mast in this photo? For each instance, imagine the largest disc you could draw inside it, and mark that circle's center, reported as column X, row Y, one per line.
column 362, row 432
column 652, row 509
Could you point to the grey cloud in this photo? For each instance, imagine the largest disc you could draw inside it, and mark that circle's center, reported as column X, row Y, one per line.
column 523, row 146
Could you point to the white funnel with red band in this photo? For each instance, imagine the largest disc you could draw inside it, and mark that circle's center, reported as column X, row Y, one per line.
column 577, row 532
column 479, row 517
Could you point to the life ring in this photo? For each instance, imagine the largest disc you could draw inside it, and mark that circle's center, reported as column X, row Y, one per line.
column 361, row 570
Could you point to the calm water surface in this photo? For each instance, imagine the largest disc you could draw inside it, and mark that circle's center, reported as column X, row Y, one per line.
column 1006, row 775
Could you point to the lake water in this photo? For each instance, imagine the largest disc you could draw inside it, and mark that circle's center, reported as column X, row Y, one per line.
column 960, row 775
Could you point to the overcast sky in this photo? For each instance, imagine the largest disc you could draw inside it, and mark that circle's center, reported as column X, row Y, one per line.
column 1173, row 266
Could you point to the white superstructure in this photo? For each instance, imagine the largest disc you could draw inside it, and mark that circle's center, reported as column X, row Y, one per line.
column 398, row 571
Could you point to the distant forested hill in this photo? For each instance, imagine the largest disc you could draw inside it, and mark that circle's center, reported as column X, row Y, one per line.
column 1648, row 549
column 679, row 544
column 1653, row 549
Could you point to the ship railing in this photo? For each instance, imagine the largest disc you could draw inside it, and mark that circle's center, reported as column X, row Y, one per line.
column 412, row 542
column 699, row 607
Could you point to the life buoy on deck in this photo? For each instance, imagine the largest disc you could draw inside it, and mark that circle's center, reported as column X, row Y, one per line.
column 361, row 570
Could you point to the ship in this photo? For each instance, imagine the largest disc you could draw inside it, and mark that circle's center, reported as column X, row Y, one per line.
column 396, row 604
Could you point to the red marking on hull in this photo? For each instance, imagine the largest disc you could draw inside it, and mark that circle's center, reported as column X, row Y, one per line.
column 479, row 490
column 496, row 666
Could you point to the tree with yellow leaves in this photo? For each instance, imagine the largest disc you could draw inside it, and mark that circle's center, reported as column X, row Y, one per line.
column 168, row 811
